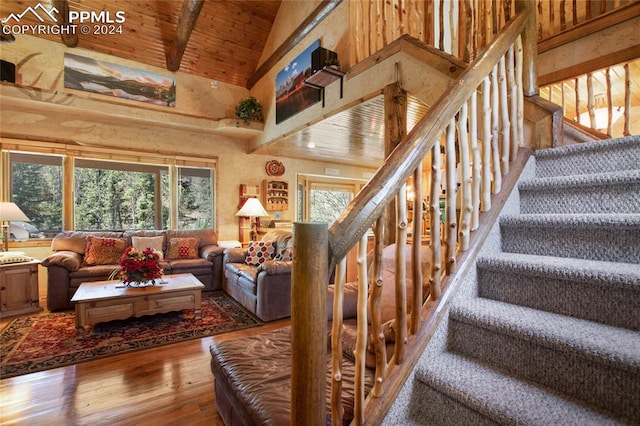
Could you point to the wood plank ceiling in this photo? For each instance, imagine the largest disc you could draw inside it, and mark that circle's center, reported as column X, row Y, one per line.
column 225, row 45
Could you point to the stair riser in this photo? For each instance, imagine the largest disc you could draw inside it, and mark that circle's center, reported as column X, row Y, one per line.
column 614, row 244
column 563, row 296
column 598, row 384
column 623, row 157
column 443, row 410
column 577, row 200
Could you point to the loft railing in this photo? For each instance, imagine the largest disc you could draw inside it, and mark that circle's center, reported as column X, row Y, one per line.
column 478, row 126
column 460, row 28
column 600, row 100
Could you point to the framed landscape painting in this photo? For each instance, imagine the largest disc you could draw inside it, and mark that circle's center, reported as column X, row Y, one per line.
column 116, row 80
column 292, row 96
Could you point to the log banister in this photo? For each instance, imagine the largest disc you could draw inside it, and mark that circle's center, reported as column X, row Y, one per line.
column 369, row 204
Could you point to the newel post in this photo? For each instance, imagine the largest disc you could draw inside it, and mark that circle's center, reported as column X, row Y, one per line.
column 529, row 48
column 308, row 323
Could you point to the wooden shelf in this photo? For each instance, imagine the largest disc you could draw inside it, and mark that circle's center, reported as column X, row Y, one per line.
column 324, row 77
column 276, row 194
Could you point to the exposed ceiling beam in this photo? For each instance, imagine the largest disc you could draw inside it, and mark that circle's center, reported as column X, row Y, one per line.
column 186, row 22
column 70, row 39
column 312, row 21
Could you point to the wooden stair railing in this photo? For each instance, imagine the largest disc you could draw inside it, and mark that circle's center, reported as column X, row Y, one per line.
column 483, row 140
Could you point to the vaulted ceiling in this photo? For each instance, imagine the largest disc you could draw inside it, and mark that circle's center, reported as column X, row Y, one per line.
column 225, row 44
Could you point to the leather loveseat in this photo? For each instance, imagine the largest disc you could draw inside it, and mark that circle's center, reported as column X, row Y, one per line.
column 67, row 266
column 263, row 289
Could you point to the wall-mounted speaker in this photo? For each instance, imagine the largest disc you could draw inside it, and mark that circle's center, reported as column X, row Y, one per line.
column 7, row 71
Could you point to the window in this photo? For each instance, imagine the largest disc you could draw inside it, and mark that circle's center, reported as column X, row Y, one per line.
column 36, row 187
column 195, row 200
column 323, row 199
column 112, row 196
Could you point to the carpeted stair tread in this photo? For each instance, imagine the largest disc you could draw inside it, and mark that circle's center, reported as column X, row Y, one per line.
column 614, row 238
column 584, row 158
column 610, row 192
column 613, row 346
column 502, row 398
column 621, row 177
column 613, row 274
column 580, row 288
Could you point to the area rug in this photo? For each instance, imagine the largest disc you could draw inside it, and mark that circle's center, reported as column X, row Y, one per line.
column 38, row 343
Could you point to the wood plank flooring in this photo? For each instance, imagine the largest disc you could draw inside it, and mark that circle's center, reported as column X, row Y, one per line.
column 169, row 385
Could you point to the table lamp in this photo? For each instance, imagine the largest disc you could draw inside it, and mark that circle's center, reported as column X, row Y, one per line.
column 252, row 208
column 8, row 213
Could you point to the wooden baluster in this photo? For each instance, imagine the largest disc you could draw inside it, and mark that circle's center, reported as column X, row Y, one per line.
column 486, row 145
column 609, row 103
column 574, row 19
column 375, row 300
column 576, row 88
column 590, row 106
column 529, row 48
column 337, row 409
column 505, row 125
column 451, row 220
column 401, row 276
column 466, row 12
column 361, row 337
column 519, row 72
column 429, row 27
column 434, row 219
column 627, row 100
column 476, row 167
column 441, row 25
column 416, row 246
column 465, row 195
column 513, row 103
column 563, row 17
column 495, row 125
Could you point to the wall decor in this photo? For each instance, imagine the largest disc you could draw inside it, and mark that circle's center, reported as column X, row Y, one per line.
column 274, row 168
column 292, row 96
column 96, row 76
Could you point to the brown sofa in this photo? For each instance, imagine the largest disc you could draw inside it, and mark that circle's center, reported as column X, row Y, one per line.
column 264, row 290
column 67, row 269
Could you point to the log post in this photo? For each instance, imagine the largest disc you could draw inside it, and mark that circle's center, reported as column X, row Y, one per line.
column 466, row 206
column 309, row 323
column 451, row 220
column 395, row 112
column 361, row 337
column 416, row 249
column 475, row 155
column 375, row 301
column 401, row 276
column 530, row 48
column 486, row 145
column 495, row 128
column 505, row 124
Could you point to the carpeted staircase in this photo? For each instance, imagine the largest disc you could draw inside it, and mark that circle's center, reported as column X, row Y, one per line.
column 546, row 329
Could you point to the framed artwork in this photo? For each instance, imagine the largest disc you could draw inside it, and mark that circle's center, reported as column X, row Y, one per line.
column 292, row 96
column 120, row 81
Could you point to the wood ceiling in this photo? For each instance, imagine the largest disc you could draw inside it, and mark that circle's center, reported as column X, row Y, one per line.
column 225, row 45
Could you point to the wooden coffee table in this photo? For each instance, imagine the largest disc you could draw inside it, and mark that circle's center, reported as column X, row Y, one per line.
column 102, row 301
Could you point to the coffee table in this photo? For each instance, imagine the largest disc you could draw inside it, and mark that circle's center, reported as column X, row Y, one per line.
column 103, row 301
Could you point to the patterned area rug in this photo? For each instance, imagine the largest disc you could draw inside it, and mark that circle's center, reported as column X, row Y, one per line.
column 37, row 343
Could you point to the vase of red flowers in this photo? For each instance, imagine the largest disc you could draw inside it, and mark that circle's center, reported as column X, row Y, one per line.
column 138, row 268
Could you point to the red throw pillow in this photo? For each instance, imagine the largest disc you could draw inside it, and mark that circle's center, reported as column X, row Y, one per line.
column 259, row 252
column 104, row 251
column 286, row 254
column 183, row 248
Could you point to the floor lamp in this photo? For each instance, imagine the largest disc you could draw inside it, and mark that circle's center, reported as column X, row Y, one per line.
column 8, row 213
column 252, row 208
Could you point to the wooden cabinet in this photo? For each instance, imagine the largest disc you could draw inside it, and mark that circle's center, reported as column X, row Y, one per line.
column 275, row 194
column 19, row 288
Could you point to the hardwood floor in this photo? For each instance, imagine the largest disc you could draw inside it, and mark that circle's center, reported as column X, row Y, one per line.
column 169, row 385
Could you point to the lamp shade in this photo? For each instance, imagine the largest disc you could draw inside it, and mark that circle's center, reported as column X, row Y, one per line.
column 252, row 208
column 10, row 212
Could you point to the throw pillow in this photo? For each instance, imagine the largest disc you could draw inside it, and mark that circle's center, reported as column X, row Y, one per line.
column 259, row 252
column 286, row 254
column 183, row 248
column 142, row 243
column 103, row 251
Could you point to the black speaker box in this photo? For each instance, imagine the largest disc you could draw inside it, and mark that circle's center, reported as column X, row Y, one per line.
column 7, row 71
column 320, row 57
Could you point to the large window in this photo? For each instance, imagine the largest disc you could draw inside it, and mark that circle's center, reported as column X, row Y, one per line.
column 112, row 195
column 36, row 188
column 92, row 193
column 323, row 199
